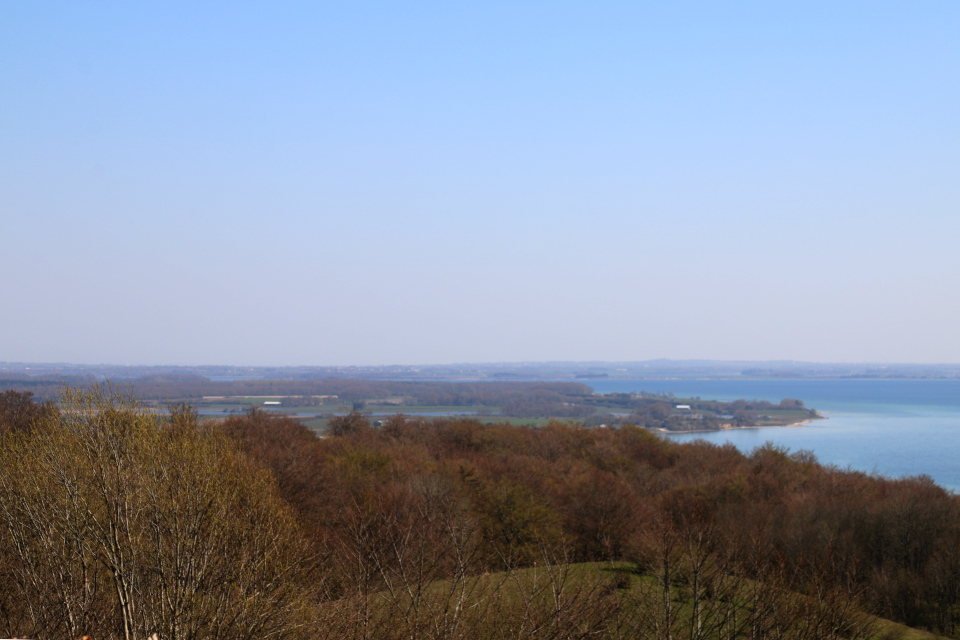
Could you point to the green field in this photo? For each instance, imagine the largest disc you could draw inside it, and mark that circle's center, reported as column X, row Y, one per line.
column 316, row 417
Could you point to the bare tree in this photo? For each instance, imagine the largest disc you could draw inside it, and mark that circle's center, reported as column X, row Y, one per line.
column 125, row 526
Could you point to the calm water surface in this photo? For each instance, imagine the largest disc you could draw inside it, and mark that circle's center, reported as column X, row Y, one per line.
column 890, row 427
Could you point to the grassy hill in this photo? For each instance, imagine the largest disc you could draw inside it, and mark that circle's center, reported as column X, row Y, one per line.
column 611, row 600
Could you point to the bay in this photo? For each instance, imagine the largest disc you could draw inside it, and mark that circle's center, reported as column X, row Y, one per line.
column 893, row 428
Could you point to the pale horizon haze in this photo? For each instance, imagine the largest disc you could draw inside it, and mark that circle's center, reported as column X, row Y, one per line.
column 366, row 183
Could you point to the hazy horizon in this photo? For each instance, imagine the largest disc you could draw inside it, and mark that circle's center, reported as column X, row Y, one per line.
column 350, row 185
column 654, row 367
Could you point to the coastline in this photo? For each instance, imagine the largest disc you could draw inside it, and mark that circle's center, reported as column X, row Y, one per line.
column 729, row 427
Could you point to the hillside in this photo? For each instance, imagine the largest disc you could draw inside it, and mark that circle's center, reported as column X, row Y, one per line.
column 448, row 528
column 617, row 599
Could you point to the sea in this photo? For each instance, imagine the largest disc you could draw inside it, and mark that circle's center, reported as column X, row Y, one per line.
column 892, row 428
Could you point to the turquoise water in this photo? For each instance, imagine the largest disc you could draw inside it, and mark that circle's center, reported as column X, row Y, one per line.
column 890, row 427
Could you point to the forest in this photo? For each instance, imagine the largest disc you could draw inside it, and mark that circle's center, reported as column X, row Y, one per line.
column 123, row 522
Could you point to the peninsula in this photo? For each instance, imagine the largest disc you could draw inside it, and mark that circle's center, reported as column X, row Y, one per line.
column 532, row 403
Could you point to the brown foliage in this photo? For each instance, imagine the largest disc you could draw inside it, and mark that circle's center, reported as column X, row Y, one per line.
column 452, row 529
column 19, row 412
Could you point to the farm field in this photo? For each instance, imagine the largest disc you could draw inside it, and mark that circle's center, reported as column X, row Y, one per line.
column 667, row 414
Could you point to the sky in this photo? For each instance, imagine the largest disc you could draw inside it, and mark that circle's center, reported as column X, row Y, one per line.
column 363, row 183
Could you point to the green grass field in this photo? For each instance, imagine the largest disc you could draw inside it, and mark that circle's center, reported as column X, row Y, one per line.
column 316, row 417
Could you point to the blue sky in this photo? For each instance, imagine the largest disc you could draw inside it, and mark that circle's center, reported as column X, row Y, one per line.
column 380, row 183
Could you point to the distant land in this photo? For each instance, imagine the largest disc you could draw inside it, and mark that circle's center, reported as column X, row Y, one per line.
column 650, row 369
column 529, row 393
column 316, row 402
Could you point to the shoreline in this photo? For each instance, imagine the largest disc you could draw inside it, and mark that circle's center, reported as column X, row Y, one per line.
column 802, row 423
